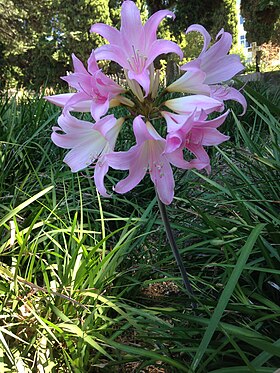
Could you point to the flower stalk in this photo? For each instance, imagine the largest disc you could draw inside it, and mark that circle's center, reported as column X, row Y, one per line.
column 176, row 253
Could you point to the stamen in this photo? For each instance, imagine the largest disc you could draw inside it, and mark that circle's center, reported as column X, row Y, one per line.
column 137, row 61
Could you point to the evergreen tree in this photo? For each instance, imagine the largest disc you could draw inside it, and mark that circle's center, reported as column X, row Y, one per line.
column 262, row 19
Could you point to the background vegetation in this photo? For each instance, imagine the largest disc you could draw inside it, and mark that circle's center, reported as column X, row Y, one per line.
column 37, row 39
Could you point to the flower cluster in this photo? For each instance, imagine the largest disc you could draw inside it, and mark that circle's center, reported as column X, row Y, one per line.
column 200, row 89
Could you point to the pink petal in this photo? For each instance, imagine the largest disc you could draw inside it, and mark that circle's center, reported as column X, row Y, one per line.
column 113, row 53
column 153, row 22
column 173, row 121
column 161, row 46
column 223, row 69
column 229, row 93
column 202, row 160
column 131, row 25
column 78, row 102
column 97, row 109
column 187, row 104
column 106, row 86
column 92, row 64
column 142, row 78
column 220, row 48
column 163, row 180
column 69, row 123
column 76, row 132
column 100, row 171
column 213, row 123
column 192, row 65
column 204, row 32
column 106, row 124
column 65, row 142
column 173, row 142
column 137, row 171
column 190, row 82
column 144, row 131
column 108, row 32
column 208, row 136
column 59, row 100
column 81, row 82
column 78, row 65
column 120, row 160
column 80, row 157
column 177, row 159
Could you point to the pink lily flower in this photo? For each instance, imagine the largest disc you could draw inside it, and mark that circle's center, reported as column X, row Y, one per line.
column 217, row 65
column 94, row 89
column 135, row 46
column 215, row 61
column 89, row 143
column 147, row 156
column 193, row 133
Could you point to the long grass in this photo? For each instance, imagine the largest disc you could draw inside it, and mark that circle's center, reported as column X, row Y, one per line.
column 89, row 284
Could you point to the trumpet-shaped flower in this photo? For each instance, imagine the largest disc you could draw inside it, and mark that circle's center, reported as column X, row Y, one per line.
column 215, row 61
column 193, row 133
column 214, row 65
column 147, row 156
column 135, row 46
column 89, row 144
column 94, row 89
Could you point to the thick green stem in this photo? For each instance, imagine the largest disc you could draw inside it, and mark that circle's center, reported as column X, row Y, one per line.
column 170, row 236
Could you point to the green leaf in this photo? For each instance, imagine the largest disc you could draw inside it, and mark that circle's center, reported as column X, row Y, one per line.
column 226, row 294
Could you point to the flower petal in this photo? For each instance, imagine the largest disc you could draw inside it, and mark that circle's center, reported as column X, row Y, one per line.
column 202, row 161
column 59, row 100
column 92, row 64
column 142, row 78
column 190, row 82
column 229, row 93
column 177, row 159
column 161, row 46
column 144, row 131
column 223, row 69
column 100, row 171
column 187, row 104
column 173, row 142
column 81, row 82
column 163, row 180
column 81, row 156
column 113, row 53
column 78, row 65
column 78, row 102
column 174, row 121
column 153, row 22
column 137, row 170
column 99, row 109
column 108, row 32
column 131, row 22
column 204, row 32
column 207, row 136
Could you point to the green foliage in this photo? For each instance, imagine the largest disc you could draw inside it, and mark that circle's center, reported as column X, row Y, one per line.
column 213, row 15
column 41, row 37
column 90, row 284
column 262, row 18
